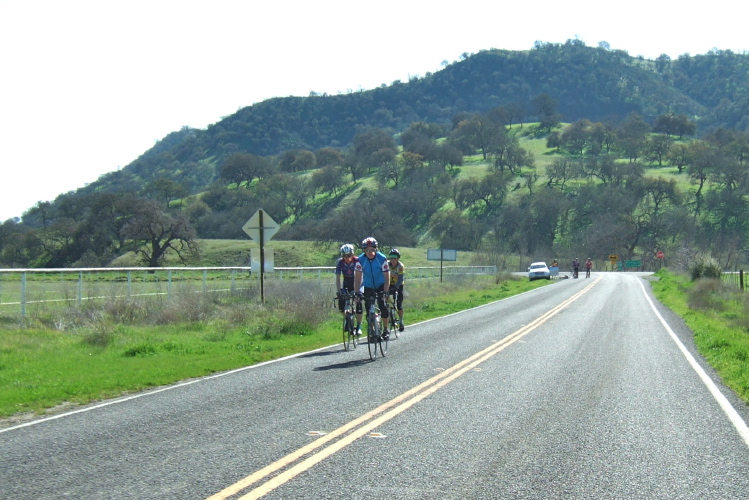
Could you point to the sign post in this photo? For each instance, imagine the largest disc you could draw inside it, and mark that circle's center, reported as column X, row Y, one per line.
column 441, row 254
column 261, row 227
column 659, row 255
column 613, row 258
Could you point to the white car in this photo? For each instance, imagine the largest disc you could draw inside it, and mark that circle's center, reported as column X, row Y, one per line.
column 539, row 271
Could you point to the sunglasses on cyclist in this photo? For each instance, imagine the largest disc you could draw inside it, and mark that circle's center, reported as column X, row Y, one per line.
column 348, row 256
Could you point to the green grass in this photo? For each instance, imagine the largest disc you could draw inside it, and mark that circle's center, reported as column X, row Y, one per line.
column 43, row 369
column 717, row 314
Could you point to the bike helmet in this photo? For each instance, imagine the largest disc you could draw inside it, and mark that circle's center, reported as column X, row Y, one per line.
column 347, row 249
column 368, row 242
column 394, row 253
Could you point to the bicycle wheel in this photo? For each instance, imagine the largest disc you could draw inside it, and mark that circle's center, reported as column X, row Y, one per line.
column 383, row 343
column 393, row 321
column 373, row 333
column 349, row 340
column 352, row 331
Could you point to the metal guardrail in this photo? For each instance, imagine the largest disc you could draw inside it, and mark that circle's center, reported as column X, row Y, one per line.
column 24, row 288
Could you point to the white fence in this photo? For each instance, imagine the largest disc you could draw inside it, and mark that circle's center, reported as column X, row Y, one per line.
column 22, row 289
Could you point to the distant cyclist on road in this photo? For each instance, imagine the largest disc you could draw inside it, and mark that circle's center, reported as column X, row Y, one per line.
column 372, row 272
column 575, row 267
column 588, row 266
column 397, row 273
column 345, row 268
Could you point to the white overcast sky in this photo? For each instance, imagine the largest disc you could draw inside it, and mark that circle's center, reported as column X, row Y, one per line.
column 86, row 86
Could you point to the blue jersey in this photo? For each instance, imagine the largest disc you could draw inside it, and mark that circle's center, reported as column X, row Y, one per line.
column 372, row 270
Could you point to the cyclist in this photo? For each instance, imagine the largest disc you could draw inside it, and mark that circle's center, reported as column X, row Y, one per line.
column 373, row 274
column 397, row 275
column 575, row 267
column 588, row 265
column 345, row 268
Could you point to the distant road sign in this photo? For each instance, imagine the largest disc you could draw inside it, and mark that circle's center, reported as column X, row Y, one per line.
column 613, row 257
column 659, row 255
column 633, row 263
column 442, row 254
column 259, row 220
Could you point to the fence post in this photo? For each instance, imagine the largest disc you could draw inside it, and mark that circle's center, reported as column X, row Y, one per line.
column 80, row 288
column 741, row 279
column 23, row 294
column 205, row 279
column 129, row 284
column 169, row 284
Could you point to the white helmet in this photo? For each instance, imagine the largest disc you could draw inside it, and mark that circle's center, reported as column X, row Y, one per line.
column 347, row 249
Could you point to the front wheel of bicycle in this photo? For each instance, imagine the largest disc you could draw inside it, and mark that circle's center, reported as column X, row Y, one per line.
column 372, row 335
column 383, row 343
column 349, row 337
column 394, row 322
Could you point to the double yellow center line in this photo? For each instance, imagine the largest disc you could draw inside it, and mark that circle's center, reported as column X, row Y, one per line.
column 364, row 424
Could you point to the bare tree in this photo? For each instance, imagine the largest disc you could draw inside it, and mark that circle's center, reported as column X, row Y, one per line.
column 155, row 233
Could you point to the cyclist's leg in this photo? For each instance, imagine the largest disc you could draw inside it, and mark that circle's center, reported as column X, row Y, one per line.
column 393, row 310
column 358, row 316
column 356, row 305
column 367, row 304
column 349, row 339
column 399, row 305
column 384, row 313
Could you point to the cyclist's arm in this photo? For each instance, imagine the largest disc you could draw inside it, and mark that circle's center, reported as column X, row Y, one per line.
column 386, row 273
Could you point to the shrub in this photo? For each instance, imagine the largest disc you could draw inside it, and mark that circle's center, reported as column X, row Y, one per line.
column 101, row 335
column 706, row 268
column 125, row 310
column 707, row 294
column 145, row 349
column 185, row 307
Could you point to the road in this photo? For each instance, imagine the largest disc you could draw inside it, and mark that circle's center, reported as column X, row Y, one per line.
column 587, row 388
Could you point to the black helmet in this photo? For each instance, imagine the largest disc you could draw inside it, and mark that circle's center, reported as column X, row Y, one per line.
column 368, row 242
column 394, row 253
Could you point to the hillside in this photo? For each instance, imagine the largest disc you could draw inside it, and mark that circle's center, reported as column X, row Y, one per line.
column 560, row 149
column 591, row 83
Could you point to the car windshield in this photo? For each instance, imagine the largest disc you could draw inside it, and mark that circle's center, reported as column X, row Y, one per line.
column 537, row 266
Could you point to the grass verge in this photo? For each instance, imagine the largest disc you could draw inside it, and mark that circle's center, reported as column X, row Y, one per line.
column 717, row 314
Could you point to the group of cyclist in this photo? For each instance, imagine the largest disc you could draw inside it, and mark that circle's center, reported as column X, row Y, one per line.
column 371, row 276
column 576, row 267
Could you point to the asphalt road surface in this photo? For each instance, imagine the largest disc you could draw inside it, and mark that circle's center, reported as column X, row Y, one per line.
column 587, row 388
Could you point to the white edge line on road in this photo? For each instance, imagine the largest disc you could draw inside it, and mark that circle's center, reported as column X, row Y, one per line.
column 156, row 391
column 208, row 377
column 725, row 405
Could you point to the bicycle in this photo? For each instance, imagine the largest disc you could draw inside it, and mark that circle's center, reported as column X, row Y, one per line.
column 350, row 340
column 374, row 329
column 392, row 301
